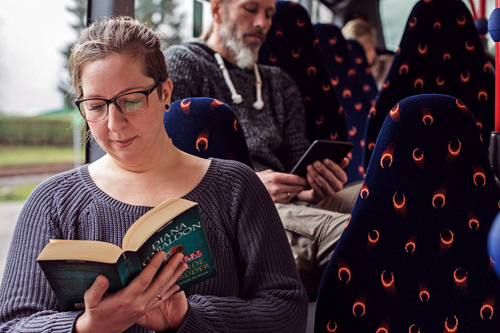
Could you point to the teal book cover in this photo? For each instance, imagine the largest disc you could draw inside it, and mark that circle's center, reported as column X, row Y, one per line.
column 71, row 266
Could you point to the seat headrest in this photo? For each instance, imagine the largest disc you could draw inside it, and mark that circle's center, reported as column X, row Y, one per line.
column 206, row 127
column 413, row 255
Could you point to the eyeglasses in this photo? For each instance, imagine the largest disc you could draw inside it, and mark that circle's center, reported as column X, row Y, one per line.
column 129, row 104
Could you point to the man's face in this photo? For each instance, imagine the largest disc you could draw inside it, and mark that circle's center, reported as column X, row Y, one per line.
column 244, row 26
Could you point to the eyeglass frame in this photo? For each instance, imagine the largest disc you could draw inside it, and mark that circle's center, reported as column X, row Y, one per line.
column 113, row 100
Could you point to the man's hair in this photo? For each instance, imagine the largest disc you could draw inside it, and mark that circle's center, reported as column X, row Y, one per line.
column 120, row 35
column 360, row 30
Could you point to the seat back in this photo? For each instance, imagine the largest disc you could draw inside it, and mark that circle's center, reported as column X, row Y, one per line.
column 340, row 67
column 206, row 127
column 413, row 257
column 342, row 61
column 292, row 45
column 363, row 70
column 440, row 52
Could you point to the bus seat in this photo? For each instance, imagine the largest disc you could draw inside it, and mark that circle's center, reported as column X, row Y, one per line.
column 413, row 256
column 292, row 45
column 341, row 58
column 206, row 127
column 340, row 67
column 440, row 52
column 362, row 68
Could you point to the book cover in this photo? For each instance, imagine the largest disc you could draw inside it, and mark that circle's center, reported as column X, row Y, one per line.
column 71, row 266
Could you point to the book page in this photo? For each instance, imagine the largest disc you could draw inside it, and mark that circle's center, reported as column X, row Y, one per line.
column 63, row 249
column 149, row 223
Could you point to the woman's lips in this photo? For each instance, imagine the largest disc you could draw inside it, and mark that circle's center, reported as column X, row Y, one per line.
column 123, row 143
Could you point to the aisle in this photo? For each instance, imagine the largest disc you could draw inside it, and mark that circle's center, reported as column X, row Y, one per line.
column 9, row 211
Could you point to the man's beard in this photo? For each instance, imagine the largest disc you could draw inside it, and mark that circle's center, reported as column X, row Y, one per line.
column 245, row 57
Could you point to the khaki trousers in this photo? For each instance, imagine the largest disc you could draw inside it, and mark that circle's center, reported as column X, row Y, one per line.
column 313, row 232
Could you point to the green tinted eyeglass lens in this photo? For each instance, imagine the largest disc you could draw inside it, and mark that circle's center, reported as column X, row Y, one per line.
column 134, row 103
column 92, row 110
column 130, row 104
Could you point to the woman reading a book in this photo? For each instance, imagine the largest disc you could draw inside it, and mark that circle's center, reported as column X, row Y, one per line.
column 119, row 75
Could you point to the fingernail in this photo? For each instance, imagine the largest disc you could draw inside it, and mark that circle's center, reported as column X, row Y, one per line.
column 101, row 281
column 317, row 164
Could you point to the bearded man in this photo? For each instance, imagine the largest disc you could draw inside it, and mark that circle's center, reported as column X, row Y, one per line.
column 223, row 65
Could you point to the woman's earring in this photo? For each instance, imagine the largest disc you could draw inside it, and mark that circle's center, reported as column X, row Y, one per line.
column 167, row 107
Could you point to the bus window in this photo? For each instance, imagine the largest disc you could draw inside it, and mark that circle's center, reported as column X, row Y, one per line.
column 394, row 14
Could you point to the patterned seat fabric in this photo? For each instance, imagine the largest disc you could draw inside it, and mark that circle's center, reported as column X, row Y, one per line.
column 440, row 52
column 206, row 127
column 291, row 44
column 362, row 68
column 340, row 67
column 413, row 256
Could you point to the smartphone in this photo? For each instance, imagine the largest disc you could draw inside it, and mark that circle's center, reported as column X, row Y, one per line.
column 319, row 150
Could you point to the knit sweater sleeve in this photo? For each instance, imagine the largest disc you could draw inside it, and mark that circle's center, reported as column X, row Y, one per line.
column 27, row 303
column 270, row 297
column 256, row 288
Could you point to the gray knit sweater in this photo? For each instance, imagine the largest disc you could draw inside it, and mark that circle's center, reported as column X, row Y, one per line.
column 257, row 288
column 276, row 135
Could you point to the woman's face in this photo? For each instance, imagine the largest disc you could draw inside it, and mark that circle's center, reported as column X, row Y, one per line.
column 129, row 140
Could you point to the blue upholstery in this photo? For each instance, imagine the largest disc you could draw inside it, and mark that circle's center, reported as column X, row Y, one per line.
column 362, row 68
column 440, row 52
column 206, row 127
column 292, row 45
column 413, row 255
column 342, row 62
column 340, row 67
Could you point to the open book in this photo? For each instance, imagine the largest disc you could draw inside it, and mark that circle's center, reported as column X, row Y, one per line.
column 175, row 225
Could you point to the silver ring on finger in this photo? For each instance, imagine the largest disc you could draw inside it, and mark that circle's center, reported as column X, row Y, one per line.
column 287, row 195
column 159, row 297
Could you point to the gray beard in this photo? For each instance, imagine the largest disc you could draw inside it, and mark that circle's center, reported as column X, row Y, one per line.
column 245, row 57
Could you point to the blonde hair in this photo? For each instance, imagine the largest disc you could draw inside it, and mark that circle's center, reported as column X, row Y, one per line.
column 205, row 35
column 120, row 35
column 360, row 30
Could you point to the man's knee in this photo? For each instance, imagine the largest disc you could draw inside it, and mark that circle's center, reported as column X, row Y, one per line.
column 313, row 234
column 343, row 201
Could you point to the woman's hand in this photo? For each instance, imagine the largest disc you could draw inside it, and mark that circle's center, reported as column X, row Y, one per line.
column 170, row 314
column 147, row 300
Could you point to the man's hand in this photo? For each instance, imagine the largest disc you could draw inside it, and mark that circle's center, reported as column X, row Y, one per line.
column 325, row 179
column 282, row 187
